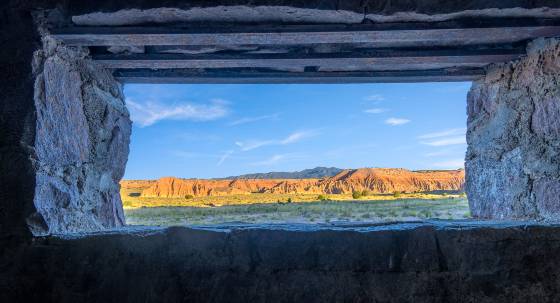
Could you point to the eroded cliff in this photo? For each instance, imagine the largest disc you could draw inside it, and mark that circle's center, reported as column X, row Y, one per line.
column 375, row 180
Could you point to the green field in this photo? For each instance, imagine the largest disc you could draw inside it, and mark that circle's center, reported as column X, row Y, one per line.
column 268, row 208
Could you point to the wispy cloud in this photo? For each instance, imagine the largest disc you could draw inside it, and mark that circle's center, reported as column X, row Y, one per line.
column 298, row 136
column 454, row 163
column 150, row 112
column 275, row 159
column 443, row 152
column 375, row 110
column 444, row 133
column 246, row 120
column 396, row 121
column 224, row 157
column 252, row 144
column 375, row 98
column 270, row 161
column 447, row 141
column 292, row 138
column 454, row 136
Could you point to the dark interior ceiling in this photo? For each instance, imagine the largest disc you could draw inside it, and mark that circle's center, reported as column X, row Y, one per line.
column 288, row 52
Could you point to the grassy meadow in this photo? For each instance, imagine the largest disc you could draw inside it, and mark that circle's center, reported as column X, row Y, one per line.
column 293, row 208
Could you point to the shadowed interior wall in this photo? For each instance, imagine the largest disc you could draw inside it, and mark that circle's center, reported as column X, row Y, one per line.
column 406, row 263
column 402, row 263
column 513, row 157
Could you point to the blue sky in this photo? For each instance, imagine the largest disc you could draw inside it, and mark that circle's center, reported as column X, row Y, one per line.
column 205, row 131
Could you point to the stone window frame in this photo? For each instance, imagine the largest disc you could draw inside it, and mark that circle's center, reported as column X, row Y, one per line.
column 82, row 164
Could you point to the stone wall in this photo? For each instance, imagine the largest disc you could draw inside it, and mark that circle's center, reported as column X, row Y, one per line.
column 513, row 157
column 81, row 144
column 414, row 262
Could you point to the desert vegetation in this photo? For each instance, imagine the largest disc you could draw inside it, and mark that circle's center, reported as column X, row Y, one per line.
column 295, row 208
column 365, row 195
column 328, row 211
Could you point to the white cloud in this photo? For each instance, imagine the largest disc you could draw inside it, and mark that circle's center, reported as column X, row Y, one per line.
column 447, row 141
column 396, row 121
column 270, row 161
column 375, row 110
column 298, row 136
column 151, row 112
column 292, row 138
column 451, row 164
column 443, row 152
column 279, row 158
column 444, row 133
column 252, row 144
column 375, row 98
column 253, row 119
column 452, row 136
column 224, row 157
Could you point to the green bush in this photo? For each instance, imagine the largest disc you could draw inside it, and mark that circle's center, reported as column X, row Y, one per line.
column 289, row 200
column 397, row 194
column 366, row 193
column 356, row 194
column 322, row 198
column 189, row 196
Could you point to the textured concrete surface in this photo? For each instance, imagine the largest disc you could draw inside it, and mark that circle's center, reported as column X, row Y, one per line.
column 417, row 262
column 512, row 163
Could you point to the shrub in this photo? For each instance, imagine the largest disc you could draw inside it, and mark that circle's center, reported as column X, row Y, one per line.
column 397, row 194
column 356, row 194
column 189, row 196
column 322, row 198
column 366, row 193
column 289, row 200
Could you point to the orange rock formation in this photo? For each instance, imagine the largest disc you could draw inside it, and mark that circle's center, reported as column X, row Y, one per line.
column 376, row 180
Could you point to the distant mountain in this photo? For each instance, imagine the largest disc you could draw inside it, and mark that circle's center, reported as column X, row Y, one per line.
column 311, row 173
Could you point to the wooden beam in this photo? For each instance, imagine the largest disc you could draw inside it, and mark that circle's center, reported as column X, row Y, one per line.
column 382, row 35
column 268, row 77
column 366, row 60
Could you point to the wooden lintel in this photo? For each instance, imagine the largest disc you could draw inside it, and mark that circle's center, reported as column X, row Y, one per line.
column 267, row 77
column 330, row 62
column 410, row 35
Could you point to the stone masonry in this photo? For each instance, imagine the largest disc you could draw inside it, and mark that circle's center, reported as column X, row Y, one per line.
column 81, row 144
column 512, row 162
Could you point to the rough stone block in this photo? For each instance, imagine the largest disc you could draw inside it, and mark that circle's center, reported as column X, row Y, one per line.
column 513, row 137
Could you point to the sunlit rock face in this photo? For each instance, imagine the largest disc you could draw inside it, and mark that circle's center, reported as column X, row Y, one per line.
column 81, row 145
column 375, row 180
column 513, row 163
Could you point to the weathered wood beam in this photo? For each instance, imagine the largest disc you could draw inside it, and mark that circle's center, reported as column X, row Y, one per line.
column 268, row 77
column 367, row 60
column 383, row 35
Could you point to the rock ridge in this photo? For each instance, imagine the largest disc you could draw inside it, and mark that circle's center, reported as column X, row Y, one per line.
column 374, row 180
